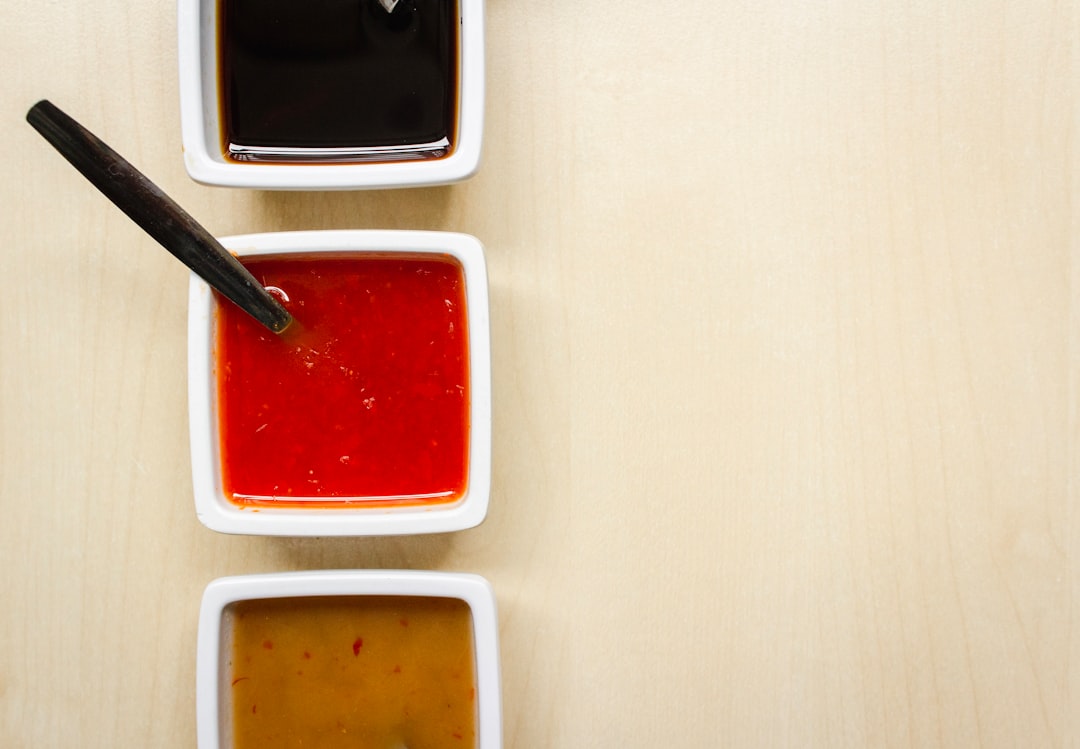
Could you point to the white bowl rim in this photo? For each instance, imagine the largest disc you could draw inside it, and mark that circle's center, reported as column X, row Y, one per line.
column 199, row 128
column 475, row 590
column 216, row 512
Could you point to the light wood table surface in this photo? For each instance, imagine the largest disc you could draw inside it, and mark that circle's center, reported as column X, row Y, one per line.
column 786, row 364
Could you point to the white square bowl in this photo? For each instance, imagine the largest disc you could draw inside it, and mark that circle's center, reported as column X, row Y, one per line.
column 201, row 132
column 213, row 507
column 212, row 660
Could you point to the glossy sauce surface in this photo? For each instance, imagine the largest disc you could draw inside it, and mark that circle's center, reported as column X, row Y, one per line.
column 350, row 671
column 338, row 74
column 368, row 398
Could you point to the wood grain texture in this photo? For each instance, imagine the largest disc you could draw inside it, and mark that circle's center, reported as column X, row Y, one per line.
column 786, row 358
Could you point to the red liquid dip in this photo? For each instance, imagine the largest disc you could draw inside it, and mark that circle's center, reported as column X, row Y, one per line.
column 369, row 398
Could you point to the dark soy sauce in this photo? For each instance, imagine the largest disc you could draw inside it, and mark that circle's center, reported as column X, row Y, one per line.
column 338, row 80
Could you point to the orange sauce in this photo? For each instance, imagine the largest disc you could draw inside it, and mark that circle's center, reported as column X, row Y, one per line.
column 384, row 672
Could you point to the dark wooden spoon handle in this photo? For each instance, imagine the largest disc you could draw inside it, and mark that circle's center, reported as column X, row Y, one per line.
column 157, row 214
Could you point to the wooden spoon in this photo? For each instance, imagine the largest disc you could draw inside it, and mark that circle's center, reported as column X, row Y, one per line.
column 157, row 214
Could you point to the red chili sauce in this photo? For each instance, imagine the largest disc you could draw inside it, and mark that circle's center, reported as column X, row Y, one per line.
column 365, row 396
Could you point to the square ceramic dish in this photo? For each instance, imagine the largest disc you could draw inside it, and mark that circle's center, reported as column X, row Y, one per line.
column 224, row 505
column 201, row 111
column 348, row 653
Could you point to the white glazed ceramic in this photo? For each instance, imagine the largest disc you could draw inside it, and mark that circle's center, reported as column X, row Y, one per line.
column 474, row 590
column 211, row 505
column 201, row 131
